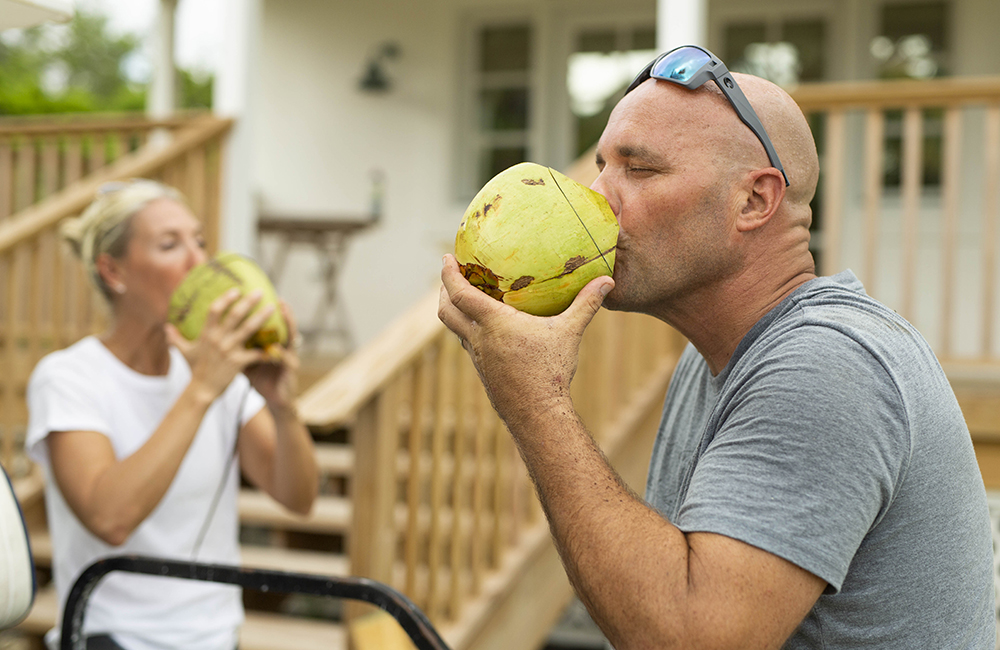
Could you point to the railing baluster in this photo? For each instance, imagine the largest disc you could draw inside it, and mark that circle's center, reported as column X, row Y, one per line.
column 912, row 172
column 8, row 379
column 50, row 167
column 991, row 204
column 467, row 382
column 486, row 423
column 443, row 423
column 873, row 165
column 422, row 394
column 6, row 178
column 833, row 190
column 950, row 204
column 26, row 174
column 72, row 159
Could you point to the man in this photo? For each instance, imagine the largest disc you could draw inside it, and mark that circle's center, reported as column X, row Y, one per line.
column 813, row 484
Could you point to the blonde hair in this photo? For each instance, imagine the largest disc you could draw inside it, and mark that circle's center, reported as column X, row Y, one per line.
column 104, row 226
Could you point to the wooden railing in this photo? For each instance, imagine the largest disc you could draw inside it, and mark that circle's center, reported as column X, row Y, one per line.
column 45, row 302
column 41, row 155
column 910, row 199
column 443, row 508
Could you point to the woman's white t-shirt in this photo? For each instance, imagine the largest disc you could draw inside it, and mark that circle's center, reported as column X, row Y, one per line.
column 86, row 388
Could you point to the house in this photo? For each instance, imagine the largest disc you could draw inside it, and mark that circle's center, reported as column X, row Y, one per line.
column 342, row 111
column 472, row 86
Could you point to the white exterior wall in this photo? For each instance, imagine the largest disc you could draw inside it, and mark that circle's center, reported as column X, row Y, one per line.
column 319, row 137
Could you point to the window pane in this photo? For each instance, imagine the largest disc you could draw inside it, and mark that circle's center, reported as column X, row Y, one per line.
column 497, row 159
column 809, row 39
column 597, row 41
column 913, row 42
column 644, row 38
column 504, row 109
column 927, row 18
column 505, row 49
column 738, row 36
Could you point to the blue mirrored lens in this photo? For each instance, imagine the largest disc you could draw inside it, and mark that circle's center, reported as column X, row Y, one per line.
column 680, row 65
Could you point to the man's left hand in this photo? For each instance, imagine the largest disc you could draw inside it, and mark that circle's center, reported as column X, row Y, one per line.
column 526, row 362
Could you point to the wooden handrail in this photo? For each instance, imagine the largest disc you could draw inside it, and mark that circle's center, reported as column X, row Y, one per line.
column 34, row 125
column 41, row 216
column 335, row 400
column 897, row 93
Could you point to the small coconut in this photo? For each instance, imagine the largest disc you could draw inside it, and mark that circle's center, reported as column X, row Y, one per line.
column 533, row 238
column 206, row 282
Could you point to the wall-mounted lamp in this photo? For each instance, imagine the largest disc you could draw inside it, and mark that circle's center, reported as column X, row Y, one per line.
column 375, row 78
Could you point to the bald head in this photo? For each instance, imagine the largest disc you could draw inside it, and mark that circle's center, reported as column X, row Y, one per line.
column 711, row 121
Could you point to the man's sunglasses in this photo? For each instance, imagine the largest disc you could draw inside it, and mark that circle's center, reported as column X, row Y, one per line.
column 691, row 66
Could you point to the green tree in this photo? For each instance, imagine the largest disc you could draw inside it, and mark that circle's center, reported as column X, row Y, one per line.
column 90, row 62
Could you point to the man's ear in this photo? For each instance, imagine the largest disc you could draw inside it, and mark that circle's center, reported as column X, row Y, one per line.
column 765, row 193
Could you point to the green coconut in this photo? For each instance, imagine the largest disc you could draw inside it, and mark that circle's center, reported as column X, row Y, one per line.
column 533, row 238
column 206, row 282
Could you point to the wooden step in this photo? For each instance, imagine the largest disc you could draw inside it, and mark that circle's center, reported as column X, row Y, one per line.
column 260, row 631
column 334, row 459
column 330, row 514
column 258, row 557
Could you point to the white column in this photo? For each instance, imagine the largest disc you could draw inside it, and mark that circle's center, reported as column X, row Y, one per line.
column 681, row 22
column 233, row 97
column 161, row 100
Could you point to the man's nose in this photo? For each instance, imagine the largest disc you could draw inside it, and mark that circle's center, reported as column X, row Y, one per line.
column 602, row 187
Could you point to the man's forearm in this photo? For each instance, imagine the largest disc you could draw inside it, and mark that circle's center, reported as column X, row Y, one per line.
column 627, row 563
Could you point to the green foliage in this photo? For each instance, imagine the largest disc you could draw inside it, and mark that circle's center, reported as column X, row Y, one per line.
column 90, row 63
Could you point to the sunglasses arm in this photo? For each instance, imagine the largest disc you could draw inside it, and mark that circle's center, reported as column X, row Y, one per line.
column 747, row 115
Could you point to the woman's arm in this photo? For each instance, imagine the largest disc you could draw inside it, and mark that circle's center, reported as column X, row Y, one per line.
column 111, row 497
column 276, row 450
column 277, row 456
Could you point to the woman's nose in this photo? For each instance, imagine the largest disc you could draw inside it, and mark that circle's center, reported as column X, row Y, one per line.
column 196, row 255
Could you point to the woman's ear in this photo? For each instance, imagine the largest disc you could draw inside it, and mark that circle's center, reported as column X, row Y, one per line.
column 111, row 272
column 767, row 189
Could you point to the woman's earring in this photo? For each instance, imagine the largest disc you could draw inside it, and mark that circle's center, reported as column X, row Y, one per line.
column 120, row 289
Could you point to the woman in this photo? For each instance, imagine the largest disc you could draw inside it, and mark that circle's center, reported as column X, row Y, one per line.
column 137, row 429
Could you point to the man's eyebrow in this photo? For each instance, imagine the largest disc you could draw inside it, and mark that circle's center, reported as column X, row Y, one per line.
column 639, row 152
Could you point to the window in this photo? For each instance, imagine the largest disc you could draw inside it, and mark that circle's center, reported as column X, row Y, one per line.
column 503, row 98
column 784, row 51
column 603, row 63
column 912, row 41
column 912, row 44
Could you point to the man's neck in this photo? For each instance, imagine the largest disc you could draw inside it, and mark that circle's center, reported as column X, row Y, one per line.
column 716, row 320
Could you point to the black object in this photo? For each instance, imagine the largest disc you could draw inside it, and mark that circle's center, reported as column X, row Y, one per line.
column 409, row 616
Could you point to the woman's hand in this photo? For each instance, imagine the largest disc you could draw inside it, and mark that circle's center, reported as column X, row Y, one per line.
column 220, row 351
column 276, row 377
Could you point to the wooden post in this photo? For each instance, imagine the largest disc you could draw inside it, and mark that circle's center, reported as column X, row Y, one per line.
column 373, row 489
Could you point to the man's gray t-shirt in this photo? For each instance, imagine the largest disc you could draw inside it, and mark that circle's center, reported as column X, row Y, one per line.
column 833, row 439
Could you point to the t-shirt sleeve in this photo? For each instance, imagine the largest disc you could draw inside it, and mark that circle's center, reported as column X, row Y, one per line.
column 807, row 456
column 250, row 401
column 60, row 399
